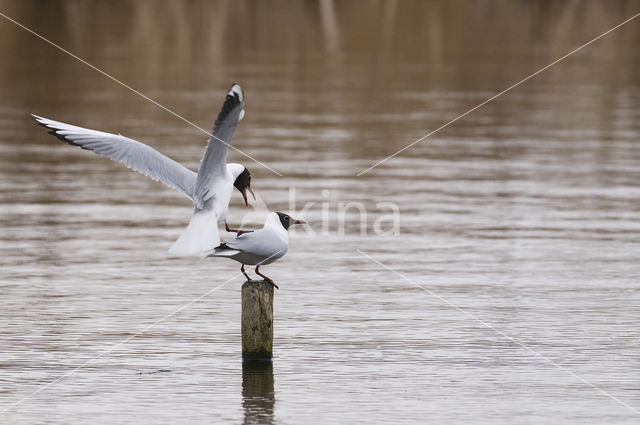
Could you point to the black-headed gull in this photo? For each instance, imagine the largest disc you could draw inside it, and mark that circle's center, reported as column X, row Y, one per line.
column 210, row 189
column 260, row 247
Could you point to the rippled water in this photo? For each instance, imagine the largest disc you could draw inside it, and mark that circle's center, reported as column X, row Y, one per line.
column 511, row 294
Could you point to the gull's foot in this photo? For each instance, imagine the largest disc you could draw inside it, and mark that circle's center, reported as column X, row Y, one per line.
column 271, row 282
column 237, row 231
column 266, row 279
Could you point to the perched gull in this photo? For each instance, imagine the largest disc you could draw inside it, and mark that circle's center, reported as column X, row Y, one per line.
column 210, row 189
column 264, row 246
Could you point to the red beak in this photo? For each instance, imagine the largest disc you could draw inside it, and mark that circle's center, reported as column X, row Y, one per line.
column 244, row 195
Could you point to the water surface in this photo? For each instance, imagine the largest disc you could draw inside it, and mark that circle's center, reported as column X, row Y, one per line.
column 524, row 214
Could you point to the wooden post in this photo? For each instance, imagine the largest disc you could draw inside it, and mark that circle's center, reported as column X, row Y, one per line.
column 257, row 320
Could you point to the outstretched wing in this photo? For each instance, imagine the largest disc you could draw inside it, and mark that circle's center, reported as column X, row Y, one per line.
column 214, row 162
column 135, row 155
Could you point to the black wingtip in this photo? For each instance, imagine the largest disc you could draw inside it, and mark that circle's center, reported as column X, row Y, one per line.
column 235, row 98
column 52, row 131
column 223, row 247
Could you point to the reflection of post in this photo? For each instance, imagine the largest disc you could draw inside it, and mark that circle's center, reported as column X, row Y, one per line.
column 386, row 37
column 257, row 392
column 329, row 25
column 257, row 320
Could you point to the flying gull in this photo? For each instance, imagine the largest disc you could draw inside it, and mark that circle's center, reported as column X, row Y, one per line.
column 210, row 189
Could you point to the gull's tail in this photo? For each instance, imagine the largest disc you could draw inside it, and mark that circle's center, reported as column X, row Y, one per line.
column 201, row 235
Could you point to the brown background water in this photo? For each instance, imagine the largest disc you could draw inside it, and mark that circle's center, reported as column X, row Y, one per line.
column 524, row 213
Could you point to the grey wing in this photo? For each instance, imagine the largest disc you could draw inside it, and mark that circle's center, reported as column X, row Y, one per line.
column 250, row 242
column 214, row 162
column 134, row 155
column 260, row 242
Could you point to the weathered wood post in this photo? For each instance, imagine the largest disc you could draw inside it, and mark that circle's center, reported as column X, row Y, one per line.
column 257, row 320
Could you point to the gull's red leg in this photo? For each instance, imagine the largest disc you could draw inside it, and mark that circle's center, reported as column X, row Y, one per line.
column 244, row 273
column 238, row 231
column 266, row 278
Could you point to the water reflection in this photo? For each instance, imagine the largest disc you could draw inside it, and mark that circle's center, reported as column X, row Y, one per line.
column 258, row 397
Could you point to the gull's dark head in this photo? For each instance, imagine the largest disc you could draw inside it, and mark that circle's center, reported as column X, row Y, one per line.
column 243, row 183
column 287, row 220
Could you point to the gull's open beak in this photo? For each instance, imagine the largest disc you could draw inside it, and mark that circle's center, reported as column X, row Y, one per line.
column 299, row 222
column 244, row 195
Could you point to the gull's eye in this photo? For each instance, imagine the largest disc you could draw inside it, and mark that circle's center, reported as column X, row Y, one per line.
column 286, row 217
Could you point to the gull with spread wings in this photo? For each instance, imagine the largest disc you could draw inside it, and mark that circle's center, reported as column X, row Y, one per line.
column 210, row 189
